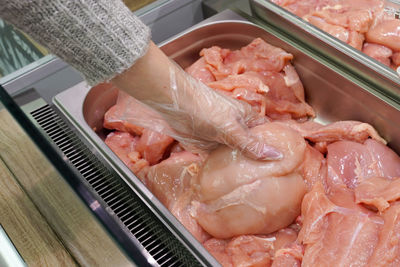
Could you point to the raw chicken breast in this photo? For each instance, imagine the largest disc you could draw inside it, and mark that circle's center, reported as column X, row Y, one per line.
column 244, row 250
column 200, row 71
column 314, row 167
column 301, row 8
column 386, row 33
column 396, row 58
column 152, row 145
column 353, row 22
column 378, row 52
column 378, row 192
column 251, row 250
column 124, row 146
column 289, row 256
column 337, row 31
column 331, row 199
column 237, row 195
column 114, row 117
column 170, row 181
column 335, row 235
column 341, row 130
column 259, row 74
column 352, row 162
column 387, row 251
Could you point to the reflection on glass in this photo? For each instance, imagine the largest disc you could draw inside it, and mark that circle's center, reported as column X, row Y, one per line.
column 16, row 49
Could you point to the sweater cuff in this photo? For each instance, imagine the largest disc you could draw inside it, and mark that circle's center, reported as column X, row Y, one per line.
column 100, row 38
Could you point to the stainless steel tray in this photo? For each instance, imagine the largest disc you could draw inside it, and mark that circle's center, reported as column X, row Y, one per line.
column 353, row 61
column 333, row 96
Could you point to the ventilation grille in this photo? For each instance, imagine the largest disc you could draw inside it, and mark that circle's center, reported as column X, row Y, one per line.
column 159, row 242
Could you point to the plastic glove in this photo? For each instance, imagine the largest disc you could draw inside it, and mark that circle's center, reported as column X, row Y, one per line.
column 188, row 110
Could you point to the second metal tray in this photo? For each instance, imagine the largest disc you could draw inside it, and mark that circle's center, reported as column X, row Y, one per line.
column 351, row 60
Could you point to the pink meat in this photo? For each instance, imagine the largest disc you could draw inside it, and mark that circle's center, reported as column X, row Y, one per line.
column 114, row 117
column 153, row 145
column 259, row 74
column 387, row 251
column 334, row 235
column 200, row 71
column 353, row 22
column 242, row 251
column 378, row 192
column 323, row 135
column 313, row 167
column 238, row 196
column 352, row 162
column 170, row 181
column 386, row 33
column 301, row 8
column 252, row 250
column 356, row 40
column 378, row 52
column 396, row 58
column 337, row 31
column 124, row 146
column 289, row 256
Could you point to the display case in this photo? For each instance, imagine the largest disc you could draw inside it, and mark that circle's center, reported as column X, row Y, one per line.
column 63, row 116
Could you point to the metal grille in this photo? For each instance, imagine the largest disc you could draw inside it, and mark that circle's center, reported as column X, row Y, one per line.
column 159, row 242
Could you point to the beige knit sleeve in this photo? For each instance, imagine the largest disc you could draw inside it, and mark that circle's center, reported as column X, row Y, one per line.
column 100, row 38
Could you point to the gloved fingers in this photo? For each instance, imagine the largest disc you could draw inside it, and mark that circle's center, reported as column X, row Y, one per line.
column 250, row 145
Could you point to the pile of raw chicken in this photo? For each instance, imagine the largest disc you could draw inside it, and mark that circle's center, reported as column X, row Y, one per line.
column 330, row 201
column 363, row 24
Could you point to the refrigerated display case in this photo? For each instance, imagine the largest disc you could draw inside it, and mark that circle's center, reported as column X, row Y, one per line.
column 63, row 116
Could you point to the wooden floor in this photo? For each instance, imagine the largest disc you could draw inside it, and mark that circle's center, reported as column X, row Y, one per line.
column 43, row 217
column 136, row 4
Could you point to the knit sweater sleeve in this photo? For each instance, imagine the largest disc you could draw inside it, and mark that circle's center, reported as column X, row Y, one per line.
column 100, row 38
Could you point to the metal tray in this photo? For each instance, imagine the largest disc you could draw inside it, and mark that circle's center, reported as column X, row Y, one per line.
column 333, row 96
column 350, row 59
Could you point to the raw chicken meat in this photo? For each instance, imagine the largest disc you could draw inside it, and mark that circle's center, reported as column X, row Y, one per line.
column 252, row 250
column 378, row 192
column 124, row 146
column 171, row 178
column 152, row 145
column 396, row 58
column 386, row 33
column 353, row 22
column 314, row 167
column 341, row 130
column 334, row 235
column 242, row 251
column 387, row 251
column 378, row 52
column 333, row 198
column 351, row 162
column 238, row 195
column 113, row 119
column 259, row 74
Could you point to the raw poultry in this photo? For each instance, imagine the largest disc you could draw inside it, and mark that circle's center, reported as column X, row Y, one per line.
column 363, row 24
column 331, row 200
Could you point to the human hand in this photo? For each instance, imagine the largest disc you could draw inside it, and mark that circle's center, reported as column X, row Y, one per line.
column 189, row 111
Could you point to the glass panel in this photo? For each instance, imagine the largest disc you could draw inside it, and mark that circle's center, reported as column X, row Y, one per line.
column 16, row 49
column 9, row 255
